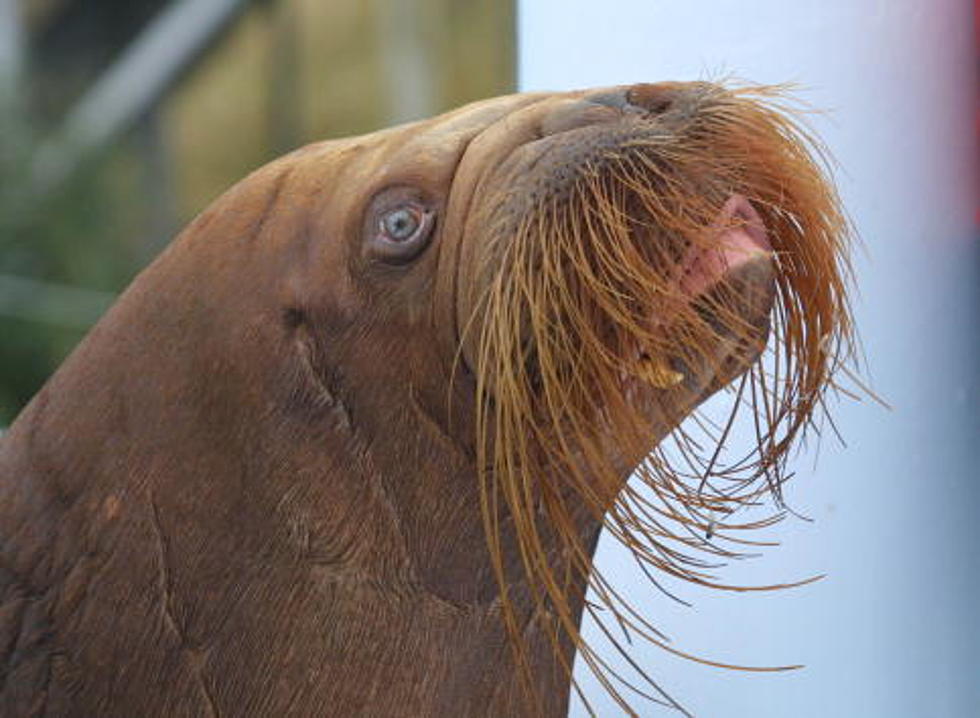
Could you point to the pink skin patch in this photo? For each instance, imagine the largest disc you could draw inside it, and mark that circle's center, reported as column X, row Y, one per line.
column 741, row 239
column 738, row 239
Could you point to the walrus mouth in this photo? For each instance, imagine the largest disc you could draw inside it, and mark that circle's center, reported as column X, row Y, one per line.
column 630, row 263
column 738, row 265
column 741, row 240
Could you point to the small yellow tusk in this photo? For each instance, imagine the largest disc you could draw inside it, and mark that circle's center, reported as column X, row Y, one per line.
column 656, row 373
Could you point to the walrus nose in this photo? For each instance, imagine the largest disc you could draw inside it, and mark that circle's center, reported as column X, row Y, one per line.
column 645, row 98
column 672, row 101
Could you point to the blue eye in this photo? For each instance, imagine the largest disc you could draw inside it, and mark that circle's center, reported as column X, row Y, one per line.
column 401, row 224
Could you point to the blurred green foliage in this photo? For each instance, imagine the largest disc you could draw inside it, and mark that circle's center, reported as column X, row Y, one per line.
column 285, row 73
column 79, row 237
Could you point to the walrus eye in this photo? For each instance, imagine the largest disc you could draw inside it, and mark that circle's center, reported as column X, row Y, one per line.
column 402, row 231
column 399, row 225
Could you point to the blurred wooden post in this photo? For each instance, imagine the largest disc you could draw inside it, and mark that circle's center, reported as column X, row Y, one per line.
column 285, row 98
column 406, row 59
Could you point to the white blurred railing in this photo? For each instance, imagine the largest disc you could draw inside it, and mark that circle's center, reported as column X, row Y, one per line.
column 146, row 69
column 51, row 303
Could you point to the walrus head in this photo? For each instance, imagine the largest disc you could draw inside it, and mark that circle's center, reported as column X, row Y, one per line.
column 378, row 401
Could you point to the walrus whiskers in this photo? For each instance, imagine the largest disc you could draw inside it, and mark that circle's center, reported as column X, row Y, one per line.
column 566, row 332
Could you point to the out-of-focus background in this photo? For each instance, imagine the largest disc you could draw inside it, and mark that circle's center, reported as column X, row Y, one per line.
column 121, row 119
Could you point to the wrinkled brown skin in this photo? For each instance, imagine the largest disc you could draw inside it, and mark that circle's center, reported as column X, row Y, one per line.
column 243, row 494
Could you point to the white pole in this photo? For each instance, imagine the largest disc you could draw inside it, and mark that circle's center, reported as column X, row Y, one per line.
column 894, row 629
column 11, row 68
column 11, row 50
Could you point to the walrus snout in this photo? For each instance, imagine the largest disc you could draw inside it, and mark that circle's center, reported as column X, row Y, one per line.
column 651, row 99
column 634, row 240
column 662, row 104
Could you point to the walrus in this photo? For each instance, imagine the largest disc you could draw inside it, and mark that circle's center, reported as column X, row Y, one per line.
column 345, row 448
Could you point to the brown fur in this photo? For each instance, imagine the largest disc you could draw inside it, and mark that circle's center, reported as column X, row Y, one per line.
column 285, row 477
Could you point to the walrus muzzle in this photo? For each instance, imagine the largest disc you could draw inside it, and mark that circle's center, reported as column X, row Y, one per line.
column 625, row 260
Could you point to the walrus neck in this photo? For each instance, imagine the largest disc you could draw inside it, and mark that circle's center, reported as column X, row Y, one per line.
column 420, row 463
column 344, row 533
column 432, row 584
column 423, row 481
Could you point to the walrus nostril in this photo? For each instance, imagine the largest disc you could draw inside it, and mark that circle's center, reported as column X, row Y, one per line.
column 655, row 99
column 647, row 98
